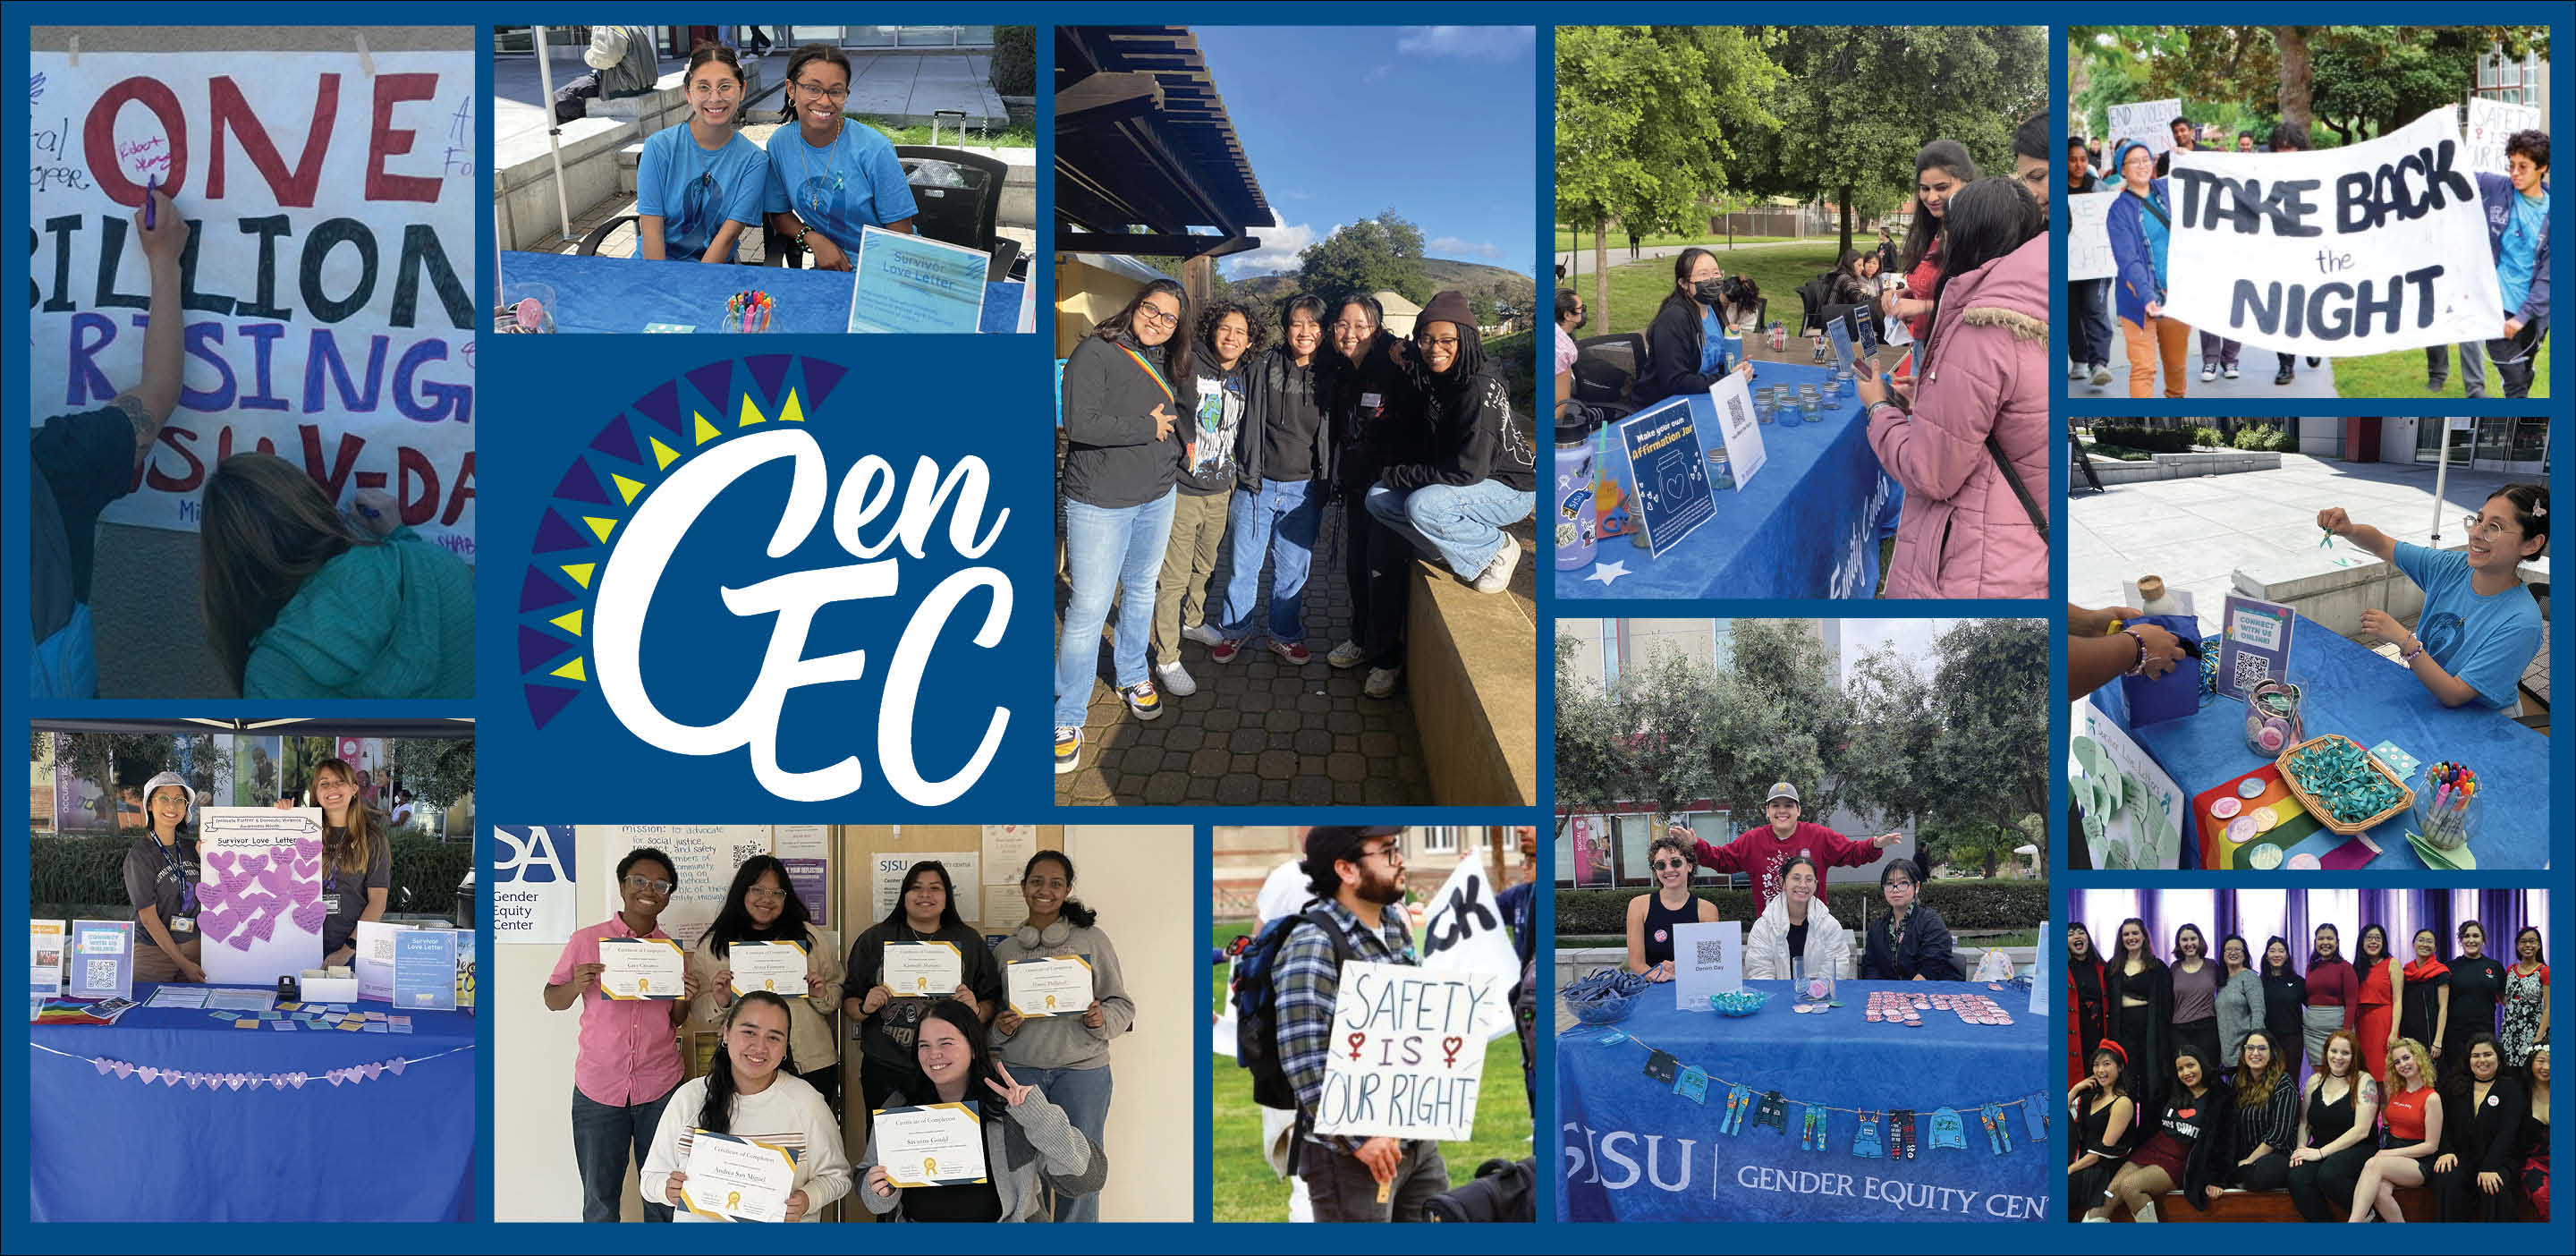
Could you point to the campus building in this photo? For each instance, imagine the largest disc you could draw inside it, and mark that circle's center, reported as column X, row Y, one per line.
column 1244, row 856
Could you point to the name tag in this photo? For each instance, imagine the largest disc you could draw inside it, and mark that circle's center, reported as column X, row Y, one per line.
column 331, row 904
column 183, row 925
column 1372, row 400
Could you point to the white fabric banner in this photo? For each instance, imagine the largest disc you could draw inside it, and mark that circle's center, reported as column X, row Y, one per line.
column 329, row 286
column 2349, row 251
column 1465, row 933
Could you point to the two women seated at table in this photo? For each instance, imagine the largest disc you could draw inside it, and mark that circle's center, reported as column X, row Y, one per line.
column 1910, row 943
column 2480, row 626
column 1653, row 917
column 1796, row 928
column 699, row 183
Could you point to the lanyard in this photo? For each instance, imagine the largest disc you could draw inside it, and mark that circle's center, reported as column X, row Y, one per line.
column 1151, row 373
column 170, row 855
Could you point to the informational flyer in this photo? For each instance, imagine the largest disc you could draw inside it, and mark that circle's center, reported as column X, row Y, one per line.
column 939, row 1144
column 922, row 969
column 642, row 968
column 2257, row 645
column 102, row 959
column 425, row 970
column 374, row 959
column 737, row 1179
column 1055, row 985
column 45, row 944
column 913, row 284
column 777, row 967
column 1670, row 473
column 1707, row 959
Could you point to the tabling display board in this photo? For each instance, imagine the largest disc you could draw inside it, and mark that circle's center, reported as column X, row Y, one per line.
column 2363, row 249
column 261, row 896
column 706, row 855
column 1668, row 473
column 910, row 283
column 331, row 311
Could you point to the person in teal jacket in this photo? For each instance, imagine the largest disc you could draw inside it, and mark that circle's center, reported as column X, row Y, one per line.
column 303, row 602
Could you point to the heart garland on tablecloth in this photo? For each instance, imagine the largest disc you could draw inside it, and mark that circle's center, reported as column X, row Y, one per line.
column 352, row 1075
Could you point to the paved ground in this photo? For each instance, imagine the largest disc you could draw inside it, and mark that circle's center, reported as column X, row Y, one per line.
column 903, row 86
column 2255, row 369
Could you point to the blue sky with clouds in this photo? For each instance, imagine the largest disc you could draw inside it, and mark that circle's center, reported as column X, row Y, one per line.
column 1437, row 122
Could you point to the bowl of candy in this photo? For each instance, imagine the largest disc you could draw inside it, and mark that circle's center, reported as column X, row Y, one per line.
column 1738, row 1002
column 1606, row 996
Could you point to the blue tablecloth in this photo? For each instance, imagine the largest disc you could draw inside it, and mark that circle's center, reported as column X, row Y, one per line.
column 1632, row 1150
column 2349, row 690
column 622, row 294
column 1808, row 526
column 398, row 1148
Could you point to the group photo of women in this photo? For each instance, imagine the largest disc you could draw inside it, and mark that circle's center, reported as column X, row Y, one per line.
column 810, row 1064
column 2319, row 1055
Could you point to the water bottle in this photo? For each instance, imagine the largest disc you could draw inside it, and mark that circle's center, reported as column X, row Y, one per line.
column 1576, row 514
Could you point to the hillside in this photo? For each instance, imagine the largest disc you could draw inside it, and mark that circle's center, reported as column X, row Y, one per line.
column 1468, row 277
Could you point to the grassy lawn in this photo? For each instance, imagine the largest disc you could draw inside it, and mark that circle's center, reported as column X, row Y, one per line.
column 1619, row 243
column 1017, row 135
column 1241, row 1185
column 1636, row 289
column 2401, row 374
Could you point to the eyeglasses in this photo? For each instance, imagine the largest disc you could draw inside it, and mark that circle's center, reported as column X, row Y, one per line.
column 1156, row 316
column 1444, row 342
column 641, row 884
column 766, row 896
column 1393, row 855
column 827, row 93
column 2482, row 528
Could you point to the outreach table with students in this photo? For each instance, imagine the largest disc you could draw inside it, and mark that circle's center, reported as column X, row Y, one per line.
column 1635, row 1150
column 622, row 295
column 396, row 1147
column 1808, row 525
column 2347, row 689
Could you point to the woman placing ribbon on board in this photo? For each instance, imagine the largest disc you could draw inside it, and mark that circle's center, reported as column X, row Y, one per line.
column 699, row 183
column 830, row 175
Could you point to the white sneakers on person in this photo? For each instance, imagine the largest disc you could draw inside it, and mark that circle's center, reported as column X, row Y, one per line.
column 1347, row 655
column 2208, row 373
column 1176, row 678
column 1381, row 682
column 1205, row 634
column 1497, row 574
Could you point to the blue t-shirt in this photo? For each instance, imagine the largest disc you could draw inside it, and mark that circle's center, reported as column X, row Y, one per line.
column 2521, row 246
column 2157, row 235
column 1712, row 343
column 855, row 182
column 2486, row 641
column 695, row 192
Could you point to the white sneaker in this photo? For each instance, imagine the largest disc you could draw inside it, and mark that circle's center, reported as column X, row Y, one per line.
column 2074, row 370
column 2101, row 375
column 1347, row 655
column 1381, row 682
column 1497, row 574
column 1203, row 633
column 1176, row 678
column 2228, row 371
column 2208, row 373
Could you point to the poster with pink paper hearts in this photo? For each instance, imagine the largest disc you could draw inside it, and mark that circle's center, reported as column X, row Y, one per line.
column 261, row 896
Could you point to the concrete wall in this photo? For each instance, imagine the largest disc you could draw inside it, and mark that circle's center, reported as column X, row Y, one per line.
column 1471, row 666
column 2184, row 466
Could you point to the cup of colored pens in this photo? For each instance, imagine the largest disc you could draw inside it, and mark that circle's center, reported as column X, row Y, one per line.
column 2446, row 805
column 748, row 312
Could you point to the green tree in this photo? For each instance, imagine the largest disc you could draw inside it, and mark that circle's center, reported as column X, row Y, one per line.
column 2346, row 83
column 1381, row 254
column 117, row 761
column 1860, row 100
column 1963, row 749
column 437, row 770
column 1647, row 741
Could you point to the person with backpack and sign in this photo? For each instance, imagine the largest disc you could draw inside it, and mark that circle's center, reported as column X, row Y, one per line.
column 1285, row 989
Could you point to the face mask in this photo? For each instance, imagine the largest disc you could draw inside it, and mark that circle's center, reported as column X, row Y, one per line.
column 1710, row 291
column 1582, row 319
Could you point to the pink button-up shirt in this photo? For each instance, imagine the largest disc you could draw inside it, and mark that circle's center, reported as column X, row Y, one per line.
column 628, row 1053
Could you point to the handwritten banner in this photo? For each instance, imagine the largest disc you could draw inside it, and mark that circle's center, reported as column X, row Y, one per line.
column 328, row 288
column 2149, row 122
column 2088, row 236
column 2491, row 123
column 1406, row 1054
column 2366, row 249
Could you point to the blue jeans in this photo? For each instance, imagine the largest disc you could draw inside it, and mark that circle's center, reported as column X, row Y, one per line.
column 1283, row 517
column 1083, row 1093
column 1460, row 525
column 602, row 1135
column 1108, row 553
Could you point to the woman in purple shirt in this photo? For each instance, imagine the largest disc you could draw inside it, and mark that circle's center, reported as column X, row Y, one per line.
column 2195, row 992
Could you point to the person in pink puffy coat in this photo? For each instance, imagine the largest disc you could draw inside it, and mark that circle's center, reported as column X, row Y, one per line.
column 1981, row 386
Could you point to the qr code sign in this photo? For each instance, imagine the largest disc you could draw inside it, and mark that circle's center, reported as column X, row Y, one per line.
column 101, row 974
column 2251, row 669
column 1712, row 952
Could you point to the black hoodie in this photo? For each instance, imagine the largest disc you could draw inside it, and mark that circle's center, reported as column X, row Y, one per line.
column 1377, row 415
column 1274, row 387
column 1474, row 437
column 1112, row 458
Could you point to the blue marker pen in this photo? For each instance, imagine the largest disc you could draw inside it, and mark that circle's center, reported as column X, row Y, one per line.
column 148, row 202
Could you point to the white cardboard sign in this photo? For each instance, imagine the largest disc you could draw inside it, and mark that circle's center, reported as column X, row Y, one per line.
column 1406, row 1057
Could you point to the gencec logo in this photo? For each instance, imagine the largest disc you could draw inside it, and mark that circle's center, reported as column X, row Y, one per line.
column 628, row 506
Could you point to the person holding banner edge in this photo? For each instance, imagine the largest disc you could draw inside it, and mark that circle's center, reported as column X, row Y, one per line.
column 2484, row 627
column 2290, row 138
column 763, row 906
column 2516, row 205
column 626, row 1062
column 751, row 1091
column 1066, row 1055
column 844, row 173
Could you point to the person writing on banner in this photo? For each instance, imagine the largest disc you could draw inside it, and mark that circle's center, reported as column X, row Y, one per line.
column 2104, row 1113
column 1229, row 331
column 2195, row 978
column 2476, row 983
column 627, row 1061
column 1759, row 852
column 1653, row 917
column 1909, row 943
column 2088, row 1006
column 1031, row 1148
column 161, row 874
column 2337, row 1128
column 2290, row 137
column 2266, row 1126
column 2375, row 1011
column 763, row 906
column 2185, row 1150
column 1796, row 931
column 303, row 601
column 357, row 860
column 1686, row 340
column 2088, row 320
column 2471, row 1179
column 1066, row 1055
column 2416, row 1116
column 2427, row 1007
column 2479, row 627
column 1283, row 471
column 924, row 911
column 2333, row 993
column 1356, row 875
column 751, row 1091
column 1941, row 168
column 81, row 462
column 2285, row 998
column 1480, row 474
column 700, row 182
column 2140, row 225
column 2142, row 1011
column 1377, row 422
column 830, row 176
column 2526, row 999
column 1124, row 440
column 1973, row 455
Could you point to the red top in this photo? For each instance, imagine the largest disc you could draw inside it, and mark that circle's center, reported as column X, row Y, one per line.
column 2335, row 984
column 1918, row 286
column 2374, row 988
column 1759, row 852
column 2404, row 1113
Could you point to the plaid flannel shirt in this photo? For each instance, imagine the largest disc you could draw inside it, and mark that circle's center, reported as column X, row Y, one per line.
column 1308, row 985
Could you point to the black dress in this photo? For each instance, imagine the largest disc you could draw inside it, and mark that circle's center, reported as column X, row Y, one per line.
column 2088, row 982
column 2531, row 1164
column 1660, row 923
column 2093, row 1133
column 2145, row 1032
column 2282, row 997
column 2322, row 1189
column 2476, row 984
column 2483, row 1134
column 2423, row 1010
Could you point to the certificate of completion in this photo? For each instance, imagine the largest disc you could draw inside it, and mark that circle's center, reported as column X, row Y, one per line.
column 922, row 969
column 778, row 967
column 642, row 968
column 1057, row 985
column 940, row 1144
column 737, row 1179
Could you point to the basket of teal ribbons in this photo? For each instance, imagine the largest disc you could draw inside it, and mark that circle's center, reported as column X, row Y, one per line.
column 1606, row 996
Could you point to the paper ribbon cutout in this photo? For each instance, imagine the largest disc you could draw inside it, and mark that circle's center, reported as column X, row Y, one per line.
column 124, row 1070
